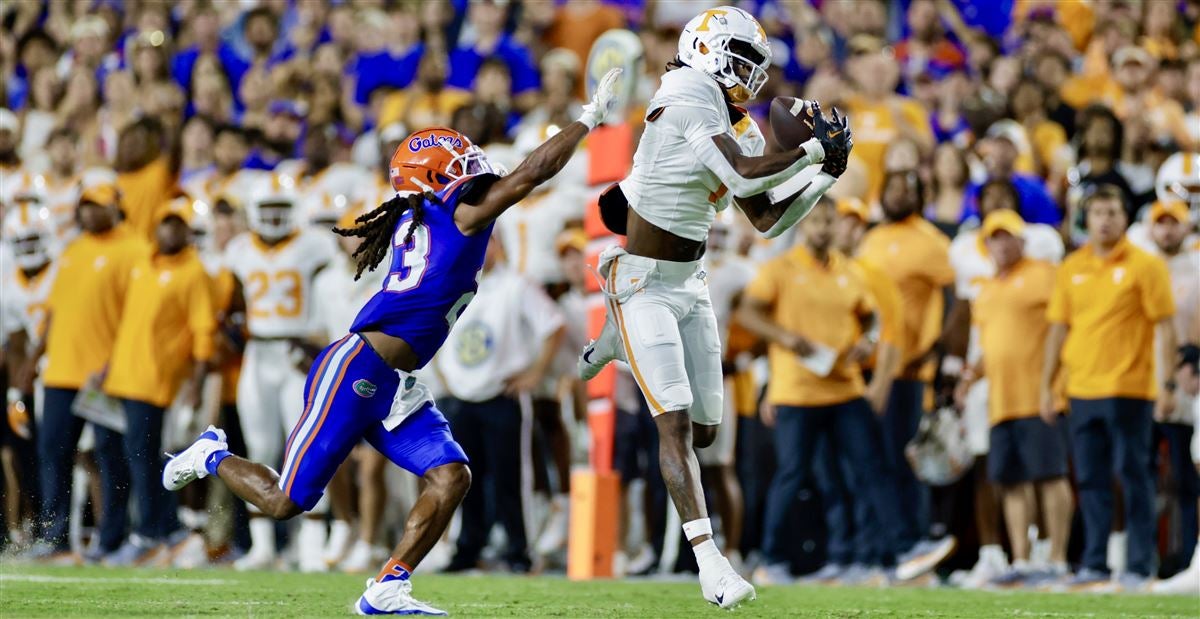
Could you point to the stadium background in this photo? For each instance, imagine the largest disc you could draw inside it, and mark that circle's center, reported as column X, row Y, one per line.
column 147, row 91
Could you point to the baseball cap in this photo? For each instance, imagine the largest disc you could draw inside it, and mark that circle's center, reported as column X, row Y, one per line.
column 571, row 238
column 1007, row 129
column 1004, row 219
column 855, row 207
column 1133, row 53
column 1169, row 208
column 103, row 194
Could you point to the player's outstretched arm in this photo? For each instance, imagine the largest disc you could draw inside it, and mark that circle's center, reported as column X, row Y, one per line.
column 747, row 175
column 774, row 211
column 542, row 164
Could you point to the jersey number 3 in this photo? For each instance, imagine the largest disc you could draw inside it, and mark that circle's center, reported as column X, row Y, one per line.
column 414, row 258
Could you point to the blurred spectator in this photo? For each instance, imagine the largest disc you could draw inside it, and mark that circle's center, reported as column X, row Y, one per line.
column 145, row 173
column 165, row 337
column 1027, row 455
column 501, row 349
column 816, row 385
column 61, row 182
column 577, row 24
column 395, row 64
column 1109, row 300
column 429, row 102
column 927, row 47
column 85, row 309
column 487, row 39
column 880, row 115
column 226, row 179
column 1000, row 152
column 1134, row 69
column 10, row 131
column 36, row 50
column 950, row 177
column 39, row 118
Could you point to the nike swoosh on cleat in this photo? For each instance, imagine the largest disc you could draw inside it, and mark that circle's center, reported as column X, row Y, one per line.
column 587, row 354
column 720, row 599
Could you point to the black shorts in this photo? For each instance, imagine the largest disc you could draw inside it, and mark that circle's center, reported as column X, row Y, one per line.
column 1025, row 450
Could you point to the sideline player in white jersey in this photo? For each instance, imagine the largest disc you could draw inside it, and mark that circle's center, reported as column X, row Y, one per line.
column 699, row 153
column 24, row 287
column 275, row 264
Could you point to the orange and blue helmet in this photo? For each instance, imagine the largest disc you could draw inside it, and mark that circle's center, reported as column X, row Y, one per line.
column 431, row 159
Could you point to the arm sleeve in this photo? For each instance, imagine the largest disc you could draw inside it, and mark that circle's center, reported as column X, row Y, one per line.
column 699, row 125
column 801, row 205
column 1157, row 301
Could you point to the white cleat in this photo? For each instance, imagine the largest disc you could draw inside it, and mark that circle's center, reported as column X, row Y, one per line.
column 723, row 586
column 393, row 597
column 600, row 351
column 188, row 465
column 255, row 560
column 340, row 538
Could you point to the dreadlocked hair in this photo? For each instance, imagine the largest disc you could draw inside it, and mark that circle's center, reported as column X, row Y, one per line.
column 377, row 226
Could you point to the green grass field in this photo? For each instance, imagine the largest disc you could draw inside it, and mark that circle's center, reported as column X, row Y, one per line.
column 100, row 592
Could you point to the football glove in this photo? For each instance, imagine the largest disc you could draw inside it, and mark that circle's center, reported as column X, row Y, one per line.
column 836, row 138
column 602, row 101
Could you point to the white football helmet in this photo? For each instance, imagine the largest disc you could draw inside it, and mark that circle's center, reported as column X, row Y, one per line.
column 729, row 45
column 1179, row 179
column 28, row 231
column 24, row 188
column 271, row 209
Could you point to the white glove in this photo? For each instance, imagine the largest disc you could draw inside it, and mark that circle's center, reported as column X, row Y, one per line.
column 595, row 112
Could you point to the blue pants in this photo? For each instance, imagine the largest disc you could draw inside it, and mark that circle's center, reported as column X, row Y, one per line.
column 1113, row 436
column 1187, row 482
column 490, row 432
column 347, row 395
column 904, row 410
column 850, row 428
column 60, row 430
column 143, row 447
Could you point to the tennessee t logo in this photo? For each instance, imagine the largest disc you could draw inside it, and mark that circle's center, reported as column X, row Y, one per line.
column 708, row 15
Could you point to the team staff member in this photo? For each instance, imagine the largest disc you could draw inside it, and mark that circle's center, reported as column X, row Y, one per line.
column 1170, row 224
column 1109, row 299
column 165, row 336
column 1028, row 455
column 500, row 349
column 802, row 302
column 146, row 173
column 915, row 255
column 879, row 371
column 85, row 307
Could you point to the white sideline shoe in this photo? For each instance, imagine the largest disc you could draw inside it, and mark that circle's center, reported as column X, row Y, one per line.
column 393, row 597
column 188, row 465
column 723, row 586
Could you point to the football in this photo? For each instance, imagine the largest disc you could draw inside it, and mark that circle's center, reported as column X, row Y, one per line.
column 791, row 121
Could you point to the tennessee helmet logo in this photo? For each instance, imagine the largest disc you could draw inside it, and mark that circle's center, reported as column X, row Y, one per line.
column 418, row 143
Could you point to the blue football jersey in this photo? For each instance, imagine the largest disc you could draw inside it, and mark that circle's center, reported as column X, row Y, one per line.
column 432, row 278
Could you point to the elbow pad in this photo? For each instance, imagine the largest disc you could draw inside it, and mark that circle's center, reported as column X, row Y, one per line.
column 801, row 205
column 740, row 186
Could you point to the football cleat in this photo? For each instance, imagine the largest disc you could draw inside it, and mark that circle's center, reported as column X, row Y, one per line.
column 188, row 465
column 925, row 556
column 600, row 351
column 393, row 597
column 724, row 587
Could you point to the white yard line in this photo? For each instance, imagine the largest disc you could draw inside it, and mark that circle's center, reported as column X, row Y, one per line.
column 40, row 578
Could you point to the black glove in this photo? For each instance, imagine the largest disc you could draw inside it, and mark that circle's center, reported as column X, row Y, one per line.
column 836, row 138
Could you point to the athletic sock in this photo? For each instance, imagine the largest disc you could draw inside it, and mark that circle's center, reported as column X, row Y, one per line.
column 393, row 570
column 214, row 460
